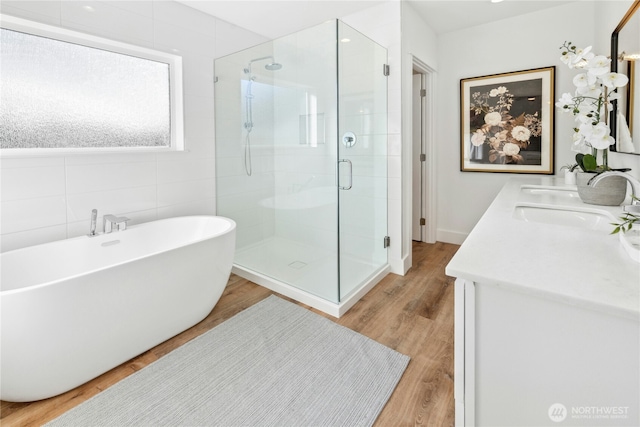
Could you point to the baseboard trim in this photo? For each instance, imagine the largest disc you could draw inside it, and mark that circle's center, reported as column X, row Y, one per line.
column 400, row 266
column 454, row 237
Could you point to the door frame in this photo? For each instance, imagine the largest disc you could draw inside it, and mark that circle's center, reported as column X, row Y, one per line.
column 429, row 207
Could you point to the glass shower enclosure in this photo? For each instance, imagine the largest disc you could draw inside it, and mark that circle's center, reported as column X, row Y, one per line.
column 301, row 163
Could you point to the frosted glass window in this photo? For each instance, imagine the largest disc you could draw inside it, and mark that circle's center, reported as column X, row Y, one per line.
column 58, row 94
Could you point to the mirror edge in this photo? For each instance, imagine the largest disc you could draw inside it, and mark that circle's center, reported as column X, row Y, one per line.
column 614, row 69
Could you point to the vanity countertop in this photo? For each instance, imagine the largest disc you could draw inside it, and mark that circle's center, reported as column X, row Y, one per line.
column 566, row 263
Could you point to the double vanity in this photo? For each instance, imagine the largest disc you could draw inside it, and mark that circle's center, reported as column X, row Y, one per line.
column 547, row 312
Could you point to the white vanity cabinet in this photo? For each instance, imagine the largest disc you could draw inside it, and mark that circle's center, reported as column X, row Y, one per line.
column 547, row 322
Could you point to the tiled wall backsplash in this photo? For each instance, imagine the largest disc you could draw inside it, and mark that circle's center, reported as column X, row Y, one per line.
column 50, row 198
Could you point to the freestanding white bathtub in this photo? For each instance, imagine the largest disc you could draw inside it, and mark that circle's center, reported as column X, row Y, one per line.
column 74, row 309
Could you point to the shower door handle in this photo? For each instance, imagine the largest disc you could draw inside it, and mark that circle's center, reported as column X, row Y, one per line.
column 347, row 161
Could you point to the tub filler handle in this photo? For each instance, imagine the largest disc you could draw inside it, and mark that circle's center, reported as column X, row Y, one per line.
column 114, row 223
column 92, row 227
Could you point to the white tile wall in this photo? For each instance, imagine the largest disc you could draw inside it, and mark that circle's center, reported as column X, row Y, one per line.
column 44, row 11
column 50, row 198
column 105, row 20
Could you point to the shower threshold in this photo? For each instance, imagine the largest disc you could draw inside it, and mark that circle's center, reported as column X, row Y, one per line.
column 279, row 263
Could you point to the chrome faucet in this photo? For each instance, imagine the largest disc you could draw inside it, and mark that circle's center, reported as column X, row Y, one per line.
column 94, row 218
column 635, row 187
column 112, row 222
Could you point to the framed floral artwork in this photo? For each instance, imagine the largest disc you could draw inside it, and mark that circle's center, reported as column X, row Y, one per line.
column 506, row 122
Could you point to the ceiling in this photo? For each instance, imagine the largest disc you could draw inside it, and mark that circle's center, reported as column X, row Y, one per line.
column 452, row 15
column 276, row 18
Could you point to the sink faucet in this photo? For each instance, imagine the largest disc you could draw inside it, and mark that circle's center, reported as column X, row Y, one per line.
column 109, row 221
column 635, row 187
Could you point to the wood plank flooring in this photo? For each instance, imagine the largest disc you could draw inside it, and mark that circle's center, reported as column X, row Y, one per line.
column 412, row 314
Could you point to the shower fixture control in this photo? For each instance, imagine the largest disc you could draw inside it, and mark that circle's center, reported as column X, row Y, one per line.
column 349, row 139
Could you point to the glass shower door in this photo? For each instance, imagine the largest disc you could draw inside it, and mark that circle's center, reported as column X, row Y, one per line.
column 362, row 158
column 276, row 123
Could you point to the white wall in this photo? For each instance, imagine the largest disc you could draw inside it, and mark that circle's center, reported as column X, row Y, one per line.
column 50, row 198
column 419, row 44
column 520, row 43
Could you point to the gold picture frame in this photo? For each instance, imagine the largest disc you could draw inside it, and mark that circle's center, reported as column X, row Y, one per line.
column 507, row 122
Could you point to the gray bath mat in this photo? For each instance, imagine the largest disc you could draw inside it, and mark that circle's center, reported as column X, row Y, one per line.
column 273, row 364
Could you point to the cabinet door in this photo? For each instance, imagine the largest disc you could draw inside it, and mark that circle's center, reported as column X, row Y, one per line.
column 464, row 342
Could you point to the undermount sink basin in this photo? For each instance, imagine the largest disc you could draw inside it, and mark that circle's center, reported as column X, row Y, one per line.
column 540, row 190
column 581, row 218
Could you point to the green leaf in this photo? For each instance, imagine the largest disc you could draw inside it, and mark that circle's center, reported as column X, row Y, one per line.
column 579, row 158
column 589, row 162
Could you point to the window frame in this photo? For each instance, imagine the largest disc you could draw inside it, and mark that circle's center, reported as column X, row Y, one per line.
column 65, row 35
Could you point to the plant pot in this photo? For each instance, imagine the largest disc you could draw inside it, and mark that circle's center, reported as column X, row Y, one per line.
column 570, row 177
column 609, row 192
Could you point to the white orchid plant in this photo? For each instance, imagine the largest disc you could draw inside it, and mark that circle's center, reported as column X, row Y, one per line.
column 596, row 87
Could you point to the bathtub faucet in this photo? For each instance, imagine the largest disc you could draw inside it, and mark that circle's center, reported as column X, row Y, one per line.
column 114, row 223
column 92, row 228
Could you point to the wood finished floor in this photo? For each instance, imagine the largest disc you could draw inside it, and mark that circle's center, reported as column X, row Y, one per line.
column 412, row 314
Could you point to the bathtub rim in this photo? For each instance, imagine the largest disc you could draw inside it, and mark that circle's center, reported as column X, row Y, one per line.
column 230, row 229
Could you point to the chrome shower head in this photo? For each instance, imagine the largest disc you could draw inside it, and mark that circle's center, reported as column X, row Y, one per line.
column 271, row 66
column 274, row 66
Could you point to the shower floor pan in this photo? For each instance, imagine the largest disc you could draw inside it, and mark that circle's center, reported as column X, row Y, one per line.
column 307, row 274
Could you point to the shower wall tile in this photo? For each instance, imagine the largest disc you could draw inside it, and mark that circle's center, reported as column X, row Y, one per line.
column 47, row 12
column 185, row 192
column 394, row 190
column 394, row 144
column 28, row 214
column 394, row 122
column 105, row 158
column 197, row 75
column 29, row 183
column 199, row 118
column 227, row 185
column 231, row 38
column 201, row 207
column 109, row 176
column 102, row 19
column 251, row 234
column 30, row 162
column 202, row 146
column 188, row 168
column 242, row 201
column 115, row 202
column 230, row 166
column 12, row 241
column 394, row 164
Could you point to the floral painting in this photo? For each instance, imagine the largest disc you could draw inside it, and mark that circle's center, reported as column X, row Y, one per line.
column 507, row 122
